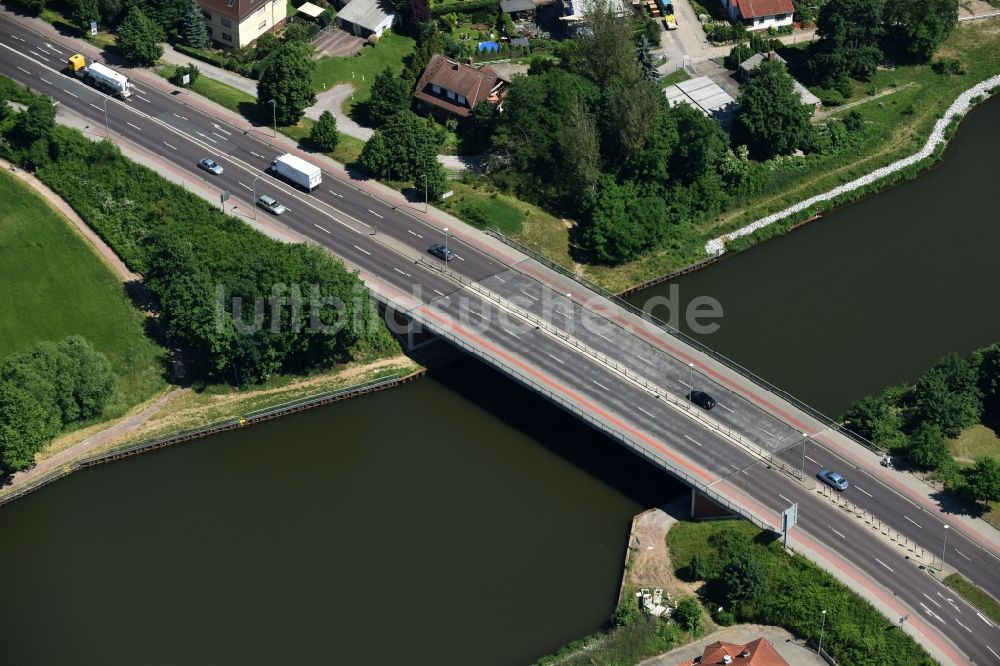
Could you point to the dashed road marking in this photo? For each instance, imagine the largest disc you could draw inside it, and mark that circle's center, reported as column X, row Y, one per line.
column 962, row 554
column 50, row 83
column 23, row 70
column 884, row 564
column 862, row 490
column 375, row 214
column 601, row 385
column 767, row 433
column 719, row 404
column 814, row 461
column 258, row 155
column 963, row 626
column 556, row 358
column 245, row 185
column 840, row 534
column 326, row 231
column 933, row 601
column 691, row 439
column 401, row 272
column 219, row 135
column 500, row 278
column 510, row 333
column 147, row 101
column 330, row 191
column 72, row 94
column 646, row 360
column 529, row 295
column 912, row 521
column 986, row 620
column 207, row 137
column 96, row 107
column 220, row 129
column 131, row 125
column 413, row 233
column 994, row 653
column 477, row 314
column 649, row 414
column 606, row 337
column 169, row 146
column 784, row 498
column 439, row 293
column 459, row 257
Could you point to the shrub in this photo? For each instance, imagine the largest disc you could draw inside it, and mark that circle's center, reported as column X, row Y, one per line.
column 178, row 77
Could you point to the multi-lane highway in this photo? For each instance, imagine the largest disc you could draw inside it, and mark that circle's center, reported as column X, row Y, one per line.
column 388, row 244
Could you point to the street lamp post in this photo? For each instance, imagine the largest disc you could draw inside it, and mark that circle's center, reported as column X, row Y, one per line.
column 902, row 620
column 253, row 204
column 690, row 383
column 945, row 546
column 274, row 117
column 822, row 626
column 802, row 469
column 446, row 242
column 107, row 127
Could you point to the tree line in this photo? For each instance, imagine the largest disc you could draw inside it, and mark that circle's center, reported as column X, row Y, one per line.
column 46, row 388
column 916, row 421
column 187, row 250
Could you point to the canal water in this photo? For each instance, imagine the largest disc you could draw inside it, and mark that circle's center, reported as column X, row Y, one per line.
column 874, row 293
column 457, row 519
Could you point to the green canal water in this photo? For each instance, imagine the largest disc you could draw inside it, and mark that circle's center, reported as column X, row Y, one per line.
column 460, row 518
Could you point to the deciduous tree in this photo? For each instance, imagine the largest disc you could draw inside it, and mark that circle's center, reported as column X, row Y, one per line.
column 745, row 579
column 916, row 29
column 983, row 480
column 928, row 447
column 390, row 94
column 771, row 120
column 948, row 395
column 139, row 38
column 850, row 34
column 286, row 78
column 82, row 12
column 324, row 133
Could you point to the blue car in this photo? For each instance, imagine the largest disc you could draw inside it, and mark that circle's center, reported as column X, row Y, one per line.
column 832, row 479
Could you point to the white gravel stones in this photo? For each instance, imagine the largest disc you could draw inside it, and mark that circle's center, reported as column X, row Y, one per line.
column 717, row 246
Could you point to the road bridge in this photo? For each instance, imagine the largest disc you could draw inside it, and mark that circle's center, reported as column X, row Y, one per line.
column 613, row 367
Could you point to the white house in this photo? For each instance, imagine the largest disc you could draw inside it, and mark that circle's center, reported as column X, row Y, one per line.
column 760, row 14
column 239, row 22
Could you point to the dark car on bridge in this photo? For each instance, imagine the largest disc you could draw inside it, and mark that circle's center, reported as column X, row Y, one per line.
column 702, row 399
column 832, row 479
column 441, row 252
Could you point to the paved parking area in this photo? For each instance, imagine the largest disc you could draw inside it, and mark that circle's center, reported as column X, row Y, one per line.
column 792, row 650
column 338, row 43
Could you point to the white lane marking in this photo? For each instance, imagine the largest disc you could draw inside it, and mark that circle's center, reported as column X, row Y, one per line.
column 375, row 214
column 144, row 99
column 560, row 313
column 96, row 107
column 49, row 82
column 206, row 137
column 685, row 383
column 360, row 248
column 50, row 48
column 963, row 626
column 962, row 554
column 840, row 534
column 645, row 360
column 477, row 314
column 330, row 191
column 414, row 233
column 645, row 412
column 131, row 125
column 815, row 461
column 511, row 333
column 459, row 257
column 500, row 278
column 220, row 129
column 986, row 620
column 887, row 567
column 784, row 498
column 529, row 295
column 440, row 293
column 169, row 146
column 219, row 135
column 719, row 404
column 606, row 338
column 401, row 272
column 39, row 55
column 138, row 89
column 253, row 153
column 328, row 231
column 994, row 653
column 912, row 521
column 766, row 433
column 24, row 70
column 601, row 385
column 71, row 94
column 555, row 358
column 933, row 601
column 690, row 439
column 16, row 37
column 862, row 490
column 245, row 185
column 176, row 116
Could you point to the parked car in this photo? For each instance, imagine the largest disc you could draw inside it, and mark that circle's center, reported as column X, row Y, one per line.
column 210, row 166
column 270, row 205
column 441, row 252
column 832, row 479
column 702, row 399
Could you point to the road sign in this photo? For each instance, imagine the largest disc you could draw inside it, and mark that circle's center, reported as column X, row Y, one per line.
column 186, row 79
column 93, row 28
column 789, row 517
column 447, row 194
column 224, row 197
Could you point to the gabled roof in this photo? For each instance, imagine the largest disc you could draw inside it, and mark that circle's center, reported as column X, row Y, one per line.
column 753, row 61
column 369, row 14
column 761, row 8
column 755, row 653
column 472, row 83
column 238, row 9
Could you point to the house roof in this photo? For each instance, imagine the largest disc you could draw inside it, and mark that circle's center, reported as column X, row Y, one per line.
column 758, row 652
column 310, row 10
column 703, row 94
column 369, row 14
column 761, row 8
column 238, row 9
column 510, row 6
column 753, row 61
column 472, row 83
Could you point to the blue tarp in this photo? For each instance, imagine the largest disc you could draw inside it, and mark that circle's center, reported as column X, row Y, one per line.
column 489, row 47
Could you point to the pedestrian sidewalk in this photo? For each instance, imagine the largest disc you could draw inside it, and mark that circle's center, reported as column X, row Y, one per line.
column 241, row 83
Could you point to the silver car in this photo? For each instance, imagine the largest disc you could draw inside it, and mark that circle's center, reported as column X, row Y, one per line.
column 270, row 205
column 210, row 166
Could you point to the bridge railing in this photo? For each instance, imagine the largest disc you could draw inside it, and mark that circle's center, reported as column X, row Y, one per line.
column 612, row 363
column 576, row 410
column 686, row 339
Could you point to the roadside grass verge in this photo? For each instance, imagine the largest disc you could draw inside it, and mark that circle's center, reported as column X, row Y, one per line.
column 58, row 286
column 989, row 606
column 482, row 208
column 360, row 70
column 347, row 150
column 979, row 440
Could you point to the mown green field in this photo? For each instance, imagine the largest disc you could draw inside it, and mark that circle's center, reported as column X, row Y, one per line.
column 52, row 285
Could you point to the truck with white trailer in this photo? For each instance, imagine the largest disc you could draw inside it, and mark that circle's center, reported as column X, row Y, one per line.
column 296, row 170
column 100, row 76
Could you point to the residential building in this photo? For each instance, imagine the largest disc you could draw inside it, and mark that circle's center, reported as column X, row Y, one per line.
column 705, row 95
column 760, row 14
column 755, row 653
column 239, row 22
column 365, row 18
column 753, row 61
column 448, row 88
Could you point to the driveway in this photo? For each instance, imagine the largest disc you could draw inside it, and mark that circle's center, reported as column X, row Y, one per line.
column 338, row 43
column 332, row 100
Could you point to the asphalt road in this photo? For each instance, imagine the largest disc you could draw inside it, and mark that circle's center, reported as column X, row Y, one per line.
column 383, row 241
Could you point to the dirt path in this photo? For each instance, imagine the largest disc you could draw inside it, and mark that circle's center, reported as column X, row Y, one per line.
column 106, row 253
column 822, row 115
column 651, row 565
column 94, row 441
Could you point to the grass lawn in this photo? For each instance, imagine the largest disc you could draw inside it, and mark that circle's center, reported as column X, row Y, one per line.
column 362, row 68
column 674, row 78
column 484, row 207
column 979, row 440
column 975, row 596
column 52, row 285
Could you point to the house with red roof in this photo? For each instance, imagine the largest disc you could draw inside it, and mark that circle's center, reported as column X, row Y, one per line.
column 760, row 14
column 755, row 653
column 448, row 88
